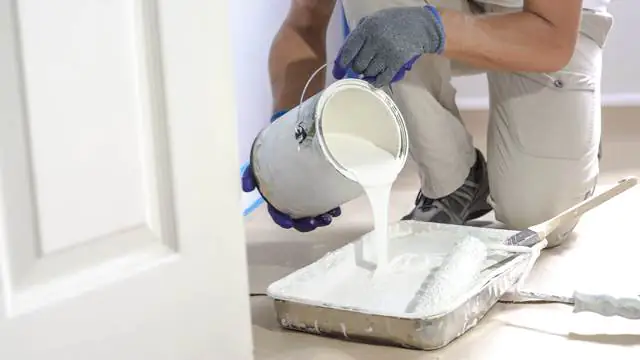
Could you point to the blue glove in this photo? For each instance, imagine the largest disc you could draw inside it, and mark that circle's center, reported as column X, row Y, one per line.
column 283, row 220
column 385, row 45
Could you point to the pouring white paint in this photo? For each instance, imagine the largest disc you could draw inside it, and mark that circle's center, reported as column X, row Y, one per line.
column 375, row 170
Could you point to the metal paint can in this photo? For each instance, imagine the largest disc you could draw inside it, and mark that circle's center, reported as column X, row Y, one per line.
column 293, row 166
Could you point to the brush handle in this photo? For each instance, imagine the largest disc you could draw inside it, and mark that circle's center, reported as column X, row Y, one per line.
column 575, row 212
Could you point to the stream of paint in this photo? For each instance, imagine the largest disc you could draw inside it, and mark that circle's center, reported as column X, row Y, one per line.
column 375, row 169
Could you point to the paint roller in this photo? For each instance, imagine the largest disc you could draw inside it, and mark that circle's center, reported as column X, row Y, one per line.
column 456, row 273
column 465, row 262
column 602, row 304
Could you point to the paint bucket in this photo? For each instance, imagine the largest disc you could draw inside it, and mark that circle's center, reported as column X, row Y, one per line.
column 294, row 168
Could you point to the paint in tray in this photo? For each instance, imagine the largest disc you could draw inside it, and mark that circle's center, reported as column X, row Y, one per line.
column 347, row 278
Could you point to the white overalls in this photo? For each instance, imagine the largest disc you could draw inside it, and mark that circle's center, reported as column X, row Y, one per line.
column 544, row 128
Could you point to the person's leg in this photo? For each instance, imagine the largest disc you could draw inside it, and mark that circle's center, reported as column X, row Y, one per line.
column 453, row 178
column 544, row 135
column 454, row 181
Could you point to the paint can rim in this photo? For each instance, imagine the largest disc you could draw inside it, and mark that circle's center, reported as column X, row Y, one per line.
column 383, row 97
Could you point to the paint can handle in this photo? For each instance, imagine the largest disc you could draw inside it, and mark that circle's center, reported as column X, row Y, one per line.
column 306, row 87
column 313, row 76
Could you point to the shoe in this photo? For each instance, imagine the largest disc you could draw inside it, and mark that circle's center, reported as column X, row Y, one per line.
column 467, row 203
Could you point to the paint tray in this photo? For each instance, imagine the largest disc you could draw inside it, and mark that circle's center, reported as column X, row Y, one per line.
column 324, row 298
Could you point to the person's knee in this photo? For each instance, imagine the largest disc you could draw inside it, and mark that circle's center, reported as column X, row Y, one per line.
column 523, row 208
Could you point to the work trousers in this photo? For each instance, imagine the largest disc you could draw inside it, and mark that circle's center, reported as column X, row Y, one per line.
column 544, row 128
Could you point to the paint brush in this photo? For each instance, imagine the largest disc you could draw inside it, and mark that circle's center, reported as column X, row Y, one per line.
column 537, row 233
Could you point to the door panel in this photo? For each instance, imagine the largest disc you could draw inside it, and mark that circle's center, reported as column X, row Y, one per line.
column 92, row 154
column 89, row 49
column 118, row 226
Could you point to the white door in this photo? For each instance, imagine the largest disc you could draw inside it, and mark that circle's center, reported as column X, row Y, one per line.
column 120, row 228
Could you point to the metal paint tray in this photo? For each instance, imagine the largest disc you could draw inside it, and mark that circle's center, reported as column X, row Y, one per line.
column 297, row 307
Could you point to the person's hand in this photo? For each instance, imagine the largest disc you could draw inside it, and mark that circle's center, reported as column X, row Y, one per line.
column 386, row 44
column 283, row 220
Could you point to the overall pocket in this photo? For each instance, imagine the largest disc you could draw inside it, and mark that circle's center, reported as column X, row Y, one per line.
column 557, row 115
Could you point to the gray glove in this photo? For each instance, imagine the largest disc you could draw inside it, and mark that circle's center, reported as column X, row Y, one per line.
column 386, row 44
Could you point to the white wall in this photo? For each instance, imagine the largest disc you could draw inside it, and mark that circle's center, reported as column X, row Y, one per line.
column 254, row 24
column 621, row 69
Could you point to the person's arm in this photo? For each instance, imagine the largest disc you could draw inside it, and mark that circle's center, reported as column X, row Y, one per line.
column 541, row 38
column 298, row 50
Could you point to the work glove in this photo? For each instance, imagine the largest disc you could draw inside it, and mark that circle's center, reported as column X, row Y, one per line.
column 281, row 219
column 385, row 45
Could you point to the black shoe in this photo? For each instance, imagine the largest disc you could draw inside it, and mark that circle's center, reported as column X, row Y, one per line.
column 467, row 203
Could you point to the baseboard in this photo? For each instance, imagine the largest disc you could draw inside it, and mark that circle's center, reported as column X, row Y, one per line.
column 608, row 100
